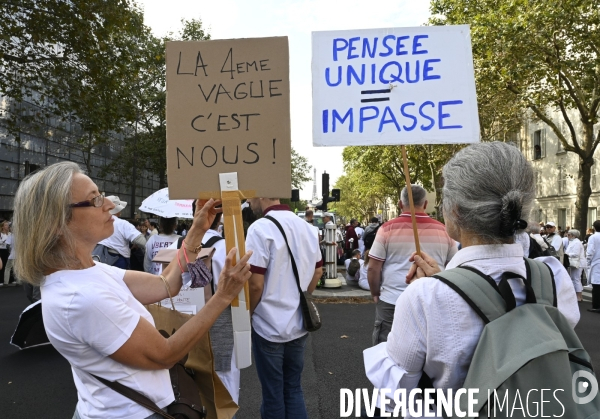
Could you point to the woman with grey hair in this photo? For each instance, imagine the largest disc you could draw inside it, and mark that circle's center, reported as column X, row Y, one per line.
column 577, row 261
column 488, row 192
column 94, row 313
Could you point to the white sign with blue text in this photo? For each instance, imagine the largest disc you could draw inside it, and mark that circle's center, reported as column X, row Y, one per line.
column 394, row 86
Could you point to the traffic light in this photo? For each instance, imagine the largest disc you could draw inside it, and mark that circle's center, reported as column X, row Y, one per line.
column 295, row 195
column 335, row 194
column 325, row 193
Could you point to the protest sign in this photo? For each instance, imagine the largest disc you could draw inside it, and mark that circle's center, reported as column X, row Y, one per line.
column 394, row 86
column 228, row 110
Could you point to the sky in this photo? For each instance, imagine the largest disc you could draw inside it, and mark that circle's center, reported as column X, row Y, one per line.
column 295, row 19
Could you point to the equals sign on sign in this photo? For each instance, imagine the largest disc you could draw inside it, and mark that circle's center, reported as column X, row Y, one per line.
column 375, row 92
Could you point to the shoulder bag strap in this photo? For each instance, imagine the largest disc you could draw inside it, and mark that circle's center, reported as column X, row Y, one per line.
column 134, row 396
column 294, row 267
column 210, row 242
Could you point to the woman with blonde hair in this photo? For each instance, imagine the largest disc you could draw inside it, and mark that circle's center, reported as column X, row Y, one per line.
column 94, row 313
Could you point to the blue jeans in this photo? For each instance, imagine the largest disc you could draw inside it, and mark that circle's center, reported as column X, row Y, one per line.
column 279, row 367
column 122, row 262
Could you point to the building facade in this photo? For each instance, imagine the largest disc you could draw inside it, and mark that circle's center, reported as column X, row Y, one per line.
column 556, row 172
column 52, row 140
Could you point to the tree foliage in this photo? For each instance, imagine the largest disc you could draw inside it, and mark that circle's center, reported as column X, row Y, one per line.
column 300, row 170
column 72, row 59
column 541, row 55
column 381, row 169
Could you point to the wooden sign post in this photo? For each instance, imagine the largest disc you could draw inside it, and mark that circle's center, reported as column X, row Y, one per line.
column 394, row 86
column 228, row 136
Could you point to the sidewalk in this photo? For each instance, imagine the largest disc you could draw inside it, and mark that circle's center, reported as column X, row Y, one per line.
column 346, row 291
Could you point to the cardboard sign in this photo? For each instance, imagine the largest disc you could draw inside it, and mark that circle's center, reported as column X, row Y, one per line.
column 228, row 110
column 394, row 86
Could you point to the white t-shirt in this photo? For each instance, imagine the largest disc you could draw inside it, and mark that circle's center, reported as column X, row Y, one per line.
column 11, row 242
column 124, row 234
column 363, row 281
column 153, row 245
column 4, row 240
column 352, row 278
column 88, row 315
column 277, row 317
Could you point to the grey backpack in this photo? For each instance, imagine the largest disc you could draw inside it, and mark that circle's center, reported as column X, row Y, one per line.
column 525, row 348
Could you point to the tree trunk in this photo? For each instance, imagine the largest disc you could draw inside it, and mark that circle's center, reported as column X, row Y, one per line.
column 584, row 177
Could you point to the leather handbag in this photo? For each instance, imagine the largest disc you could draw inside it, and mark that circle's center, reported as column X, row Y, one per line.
column 187, row 404
column 310, row 314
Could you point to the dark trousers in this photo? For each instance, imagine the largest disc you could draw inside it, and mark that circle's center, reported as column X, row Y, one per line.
column 4, row 256
column 596, row 296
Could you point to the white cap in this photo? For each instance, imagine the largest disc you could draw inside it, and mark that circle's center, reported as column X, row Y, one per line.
column 119, row 205
column 328, row 214
column 551, row 224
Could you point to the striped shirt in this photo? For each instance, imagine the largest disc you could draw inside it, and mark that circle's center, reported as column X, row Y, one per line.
column 395, row 243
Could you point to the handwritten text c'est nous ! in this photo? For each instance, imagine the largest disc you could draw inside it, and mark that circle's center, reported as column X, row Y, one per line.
column 215, row 93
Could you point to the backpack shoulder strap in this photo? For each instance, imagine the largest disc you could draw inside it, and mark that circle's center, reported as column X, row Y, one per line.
column 473, row 286
column 541, row 279
column 210, row 242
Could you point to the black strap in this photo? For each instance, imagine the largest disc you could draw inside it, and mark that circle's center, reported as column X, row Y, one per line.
column 210, row 242
column 133, row 395
column 294, row 267
column 180, row 242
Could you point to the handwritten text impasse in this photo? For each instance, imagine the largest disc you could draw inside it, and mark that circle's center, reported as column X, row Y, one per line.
column 403, row 85
column 232, row 110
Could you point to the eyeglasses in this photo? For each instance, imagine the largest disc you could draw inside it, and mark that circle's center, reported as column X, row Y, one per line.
column 96, row 201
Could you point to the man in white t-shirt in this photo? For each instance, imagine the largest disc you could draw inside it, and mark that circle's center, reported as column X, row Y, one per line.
column 359, row 232
column 124, row 235
column 278, row 333
column 353, row 279
column 158, row 242
column 553, row 239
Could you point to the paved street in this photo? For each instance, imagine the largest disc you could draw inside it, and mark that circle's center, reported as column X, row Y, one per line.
column 37, row 383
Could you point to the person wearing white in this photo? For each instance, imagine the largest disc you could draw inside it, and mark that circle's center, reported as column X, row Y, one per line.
column 353, row 279
column 158, row 242
column 434, row 330
column 278, row 333
column 577, row 261
column 535, row 234
column 123, row 236
column 593, row 263
column 93, row 313
column 11, row 260
column 4, row 251
column 361, row 244
column 363, row 280
column 554, row 240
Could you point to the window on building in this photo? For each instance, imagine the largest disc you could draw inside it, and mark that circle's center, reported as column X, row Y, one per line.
column 539, row 144
column 562, row 217
column 538, row 183
column 592, row 215
column 594, row 176
column 562, row 179
column 559, row 148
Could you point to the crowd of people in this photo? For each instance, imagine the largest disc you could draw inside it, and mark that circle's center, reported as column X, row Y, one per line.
column 94, row 290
